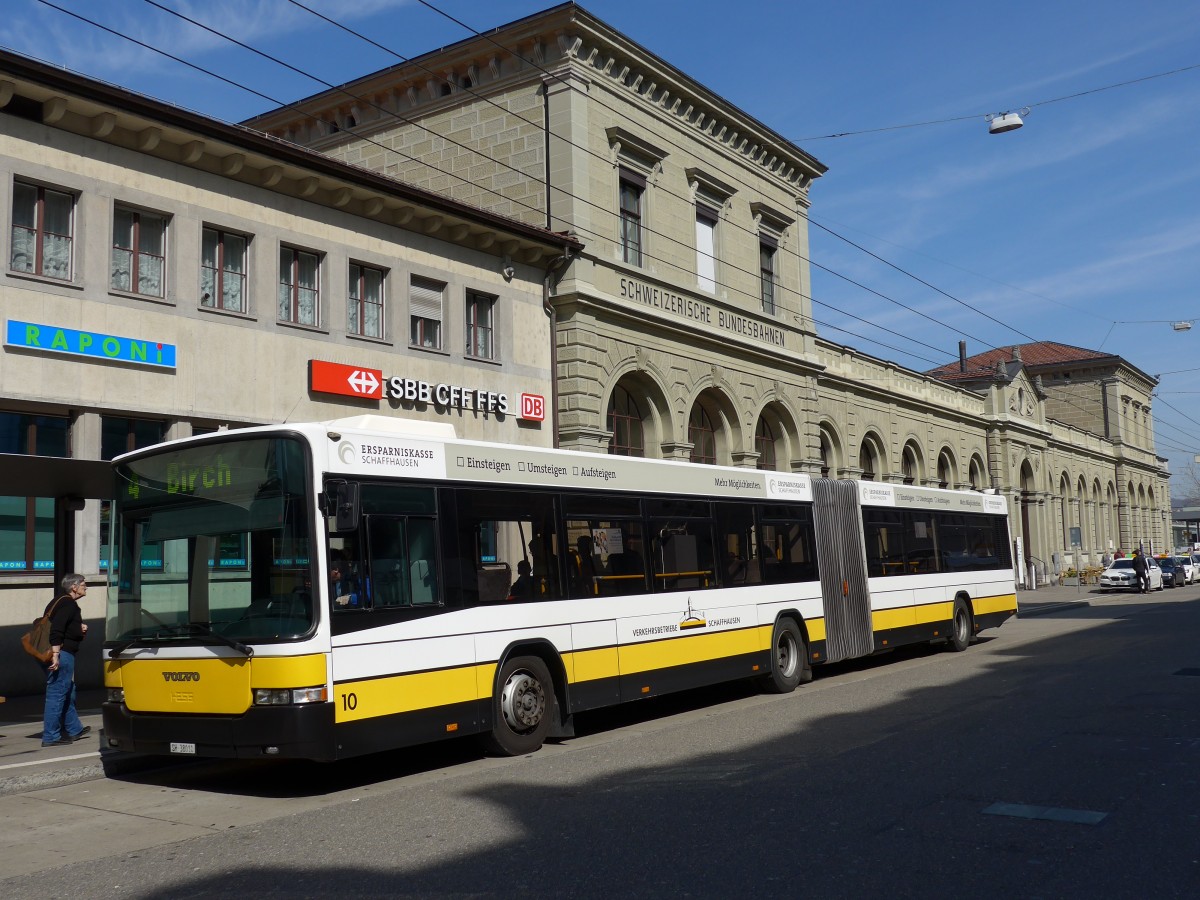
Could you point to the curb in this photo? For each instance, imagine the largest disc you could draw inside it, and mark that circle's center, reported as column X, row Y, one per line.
column 105, row 764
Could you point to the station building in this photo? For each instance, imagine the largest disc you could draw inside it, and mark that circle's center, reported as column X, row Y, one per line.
column 167, row 274
column 548, row 212
column 685, row 328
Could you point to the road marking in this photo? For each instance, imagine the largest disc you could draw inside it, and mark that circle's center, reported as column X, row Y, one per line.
column 1051, row 813
column 54, row 759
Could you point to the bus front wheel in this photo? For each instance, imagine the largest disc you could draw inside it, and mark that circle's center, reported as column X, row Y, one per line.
column 522, row 707
column 789, row 659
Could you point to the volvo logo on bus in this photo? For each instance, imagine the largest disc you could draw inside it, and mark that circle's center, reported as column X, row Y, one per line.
column 181, row 676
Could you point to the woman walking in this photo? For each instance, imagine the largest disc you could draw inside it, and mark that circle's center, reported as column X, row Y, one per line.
column 61, row 724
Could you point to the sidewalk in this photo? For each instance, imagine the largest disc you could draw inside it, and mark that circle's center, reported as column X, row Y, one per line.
column 1049, row 599
column 25, row 764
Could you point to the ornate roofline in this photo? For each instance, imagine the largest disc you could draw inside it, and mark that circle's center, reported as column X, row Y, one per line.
column 545, row 46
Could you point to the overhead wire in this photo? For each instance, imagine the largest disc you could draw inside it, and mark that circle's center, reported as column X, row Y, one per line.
column 797, row 313
column 1021, row 106
column 667, row 139
column 283, row 105
column 606, row 210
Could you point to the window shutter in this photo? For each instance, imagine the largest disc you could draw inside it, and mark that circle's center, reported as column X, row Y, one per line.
column 425, row 299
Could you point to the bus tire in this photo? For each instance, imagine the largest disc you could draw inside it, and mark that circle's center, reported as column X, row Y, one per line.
column 522, row 707
column 962, row 626
column 789, row 659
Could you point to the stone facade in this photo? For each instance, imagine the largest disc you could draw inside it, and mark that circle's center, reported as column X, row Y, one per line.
column 673, row 345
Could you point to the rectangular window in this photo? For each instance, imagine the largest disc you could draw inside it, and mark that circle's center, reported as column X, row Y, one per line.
column 633, row 187
column 480, row 327
column 365, row 301
column 299, row 294
column 120, row 435
column 425, row 313
column 139, row 252
column 766, row 267
column 706, row 250
column 27, row 523
column 681, row 545
column 507, row 545
column 403, row 562
column 223, row 271
column 42, row 231
column 606, row 557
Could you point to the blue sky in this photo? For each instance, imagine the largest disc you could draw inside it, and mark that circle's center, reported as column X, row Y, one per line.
column 1082, row 227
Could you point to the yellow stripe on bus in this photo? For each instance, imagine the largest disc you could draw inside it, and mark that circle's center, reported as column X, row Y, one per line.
column 591, row 665
column 354, row 700
column 694, row 648
column 886, row 619
column 1000, row 603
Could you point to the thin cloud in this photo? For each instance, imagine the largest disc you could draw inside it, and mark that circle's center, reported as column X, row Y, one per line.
column 51, row 35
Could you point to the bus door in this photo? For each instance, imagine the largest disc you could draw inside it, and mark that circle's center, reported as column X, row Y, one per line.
column 842, row 565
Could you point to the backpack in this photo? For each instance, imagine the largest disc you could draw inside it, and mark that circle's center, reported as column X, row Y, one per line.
column 36, row 640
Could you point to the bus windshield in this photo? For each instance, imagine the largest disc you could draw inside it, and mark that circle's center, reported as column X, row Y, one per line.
column 213, row 539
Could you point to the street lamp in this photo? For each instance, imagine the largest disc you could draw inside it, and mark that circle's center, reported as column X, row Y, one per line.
column 999, row 123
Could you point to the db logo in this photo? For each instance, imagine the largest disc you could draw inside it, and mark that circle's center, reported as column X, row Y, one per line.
column 533, row 406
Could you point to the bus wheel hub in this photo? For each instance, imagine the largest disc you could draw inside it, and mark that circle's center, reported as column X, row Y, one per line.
column 523, row 701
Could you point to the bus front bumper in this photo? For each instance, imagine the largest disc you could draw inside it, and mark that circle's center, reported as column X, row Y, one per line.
column 304, row 731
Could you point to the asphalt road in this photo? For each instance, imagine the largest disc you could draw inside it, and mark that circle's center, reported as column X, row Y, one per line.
column 1057, row 757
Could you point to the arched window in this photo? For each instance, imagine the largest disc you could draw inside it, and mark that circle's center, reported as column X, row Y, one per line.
column 976, row 475
column 945, row 470
column 866, row 461
column 703, row 436
column 908, row 465
column 764, row 443
column 625, row 422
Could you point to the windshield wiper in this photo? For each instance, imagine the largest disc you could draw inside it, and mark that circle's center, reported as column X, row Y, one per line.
column 192, row 629
column 202, row 629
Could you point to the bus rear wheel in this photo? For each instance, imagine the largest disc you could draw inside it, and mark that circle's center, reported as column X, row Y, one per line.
column 789, row 659
column 962, row 626
column 522, row 707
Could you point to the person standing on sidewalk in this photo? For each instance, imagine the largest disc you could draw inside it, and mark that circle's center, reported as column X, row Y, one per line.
column 60, row 724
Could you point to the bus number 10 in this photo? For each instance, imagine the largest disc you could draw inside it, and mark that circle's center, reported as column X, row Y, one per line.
column 349, row 702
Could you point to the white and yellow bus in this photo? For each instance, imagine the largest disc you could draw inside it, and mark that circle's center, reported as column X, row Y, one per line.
column 331, row 589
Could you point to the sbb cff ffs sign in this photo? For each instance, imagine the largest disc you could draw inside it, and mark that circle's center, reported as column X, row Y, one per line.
column 370, row 384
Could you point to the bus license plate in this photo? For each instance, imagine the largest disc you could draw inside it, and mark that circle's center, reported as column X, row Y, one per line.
column 183, row 748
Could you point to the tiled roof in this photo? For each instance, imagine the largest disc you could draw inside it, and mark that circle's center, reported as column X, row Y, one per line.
column 1033, row 355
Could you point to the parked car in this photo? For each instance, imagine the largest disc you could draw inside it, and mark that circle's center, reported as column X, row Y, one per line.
column 1189, row 568
column 1119, row 576
column 1173, row 574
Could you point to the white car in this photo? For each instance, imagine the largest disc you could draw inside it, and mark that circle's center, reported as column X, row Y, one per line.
column 1119, row 576
column 1189, row 568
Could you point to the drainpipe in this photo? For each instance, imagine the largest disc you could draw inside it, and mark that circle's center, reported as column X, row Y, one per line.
column 557, row 265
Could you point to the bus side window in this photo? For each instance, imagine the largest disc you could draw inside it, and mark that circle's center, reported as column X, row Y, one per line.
column 422, row 562
column 735, row 542
column 403, row 563
column 507, row 545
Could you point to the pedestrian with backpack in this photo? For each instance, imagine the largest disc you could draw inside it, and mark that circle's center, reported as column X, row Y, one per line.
column 60, row 724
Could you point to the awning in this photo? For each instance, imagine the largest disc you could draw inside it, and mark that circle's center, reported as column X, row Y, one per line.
column 54, row 476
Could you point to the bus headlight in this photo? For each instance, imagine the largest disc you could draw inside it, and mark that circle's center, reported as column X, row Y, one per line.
column 116, row 695
column 288, row 696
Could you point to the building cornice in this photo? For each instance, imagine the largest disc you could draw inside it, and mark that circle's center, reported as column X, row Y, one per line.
column 549, row 46
column 71, row 102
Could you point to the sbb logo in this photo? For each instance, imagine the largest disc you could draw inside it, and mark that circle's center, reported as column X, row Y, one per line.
column 533, row 406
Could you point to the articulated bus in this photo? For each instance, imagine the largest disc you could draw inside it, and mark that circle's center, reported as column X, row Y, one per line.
column 331, row 589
